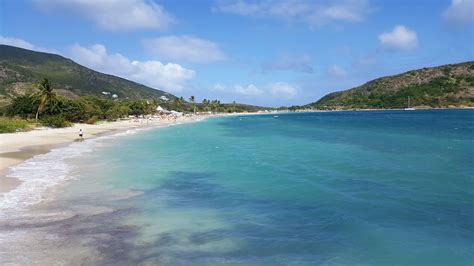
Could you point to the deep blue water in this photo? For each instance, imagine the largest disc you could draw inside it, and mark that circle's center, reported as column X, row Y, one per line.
column 370, row 188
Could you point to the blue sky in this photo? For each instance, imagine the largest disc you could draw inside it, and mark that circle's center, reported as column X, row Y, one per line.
column 266, row 52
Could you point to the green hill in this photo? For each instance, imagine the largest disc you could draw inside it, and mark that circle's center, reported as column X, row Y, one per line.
column 443, row 86
column 21, row 68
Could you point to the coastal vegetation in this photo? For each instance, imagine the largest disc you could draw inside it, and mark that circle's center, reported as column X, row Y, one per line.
column 48, row 108
column 8, row 125
column 436, row 87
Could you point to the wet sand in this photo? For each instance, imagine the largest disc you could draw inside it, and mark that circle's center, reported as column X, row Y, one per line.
column 8, row 183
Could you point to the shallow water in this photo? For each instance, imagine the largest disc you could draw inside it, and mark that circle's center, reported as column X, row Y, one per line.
column 371, row 188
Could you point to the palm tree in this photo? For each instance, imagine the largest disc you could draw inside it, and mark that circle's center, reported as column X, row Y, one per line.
column 178, row 102
column 191, row 100
column 45, row 95
column 215, row 104
column 205, row 104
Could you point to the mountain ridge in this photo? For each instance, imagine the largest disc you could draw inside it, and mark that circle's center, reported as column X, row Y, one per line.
column 21, row 68
column 450, row 85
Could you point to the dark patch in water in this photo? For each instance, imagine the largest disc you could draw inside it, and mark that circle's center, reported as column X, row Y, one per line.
column 206, row 237
column 102, row 232
column 267, row 228
column 269, row 223
column 167, row 239
column 66, row 222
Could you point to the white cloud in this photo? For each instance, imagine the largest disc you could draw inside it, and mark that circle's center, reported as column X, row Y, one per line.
column 275, row 90
column 240, row 8
column 169, row 77
column 315, row 13
column 400, row 38
column 460, row 12
column 218, row 87
column 337, row 71
column 185, row 48
column 114, row 15
column 349, row 11
column 16, row 42
column 250, row 90
column 282, row 90
column 298, row 63
column 12, row 41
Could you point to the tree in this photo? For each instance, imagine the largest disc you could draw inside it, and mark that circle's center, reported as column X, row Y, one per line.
column 215, row 105
column 23, row 106
column 137, row 107
column 192, row 101
column 205, row 104
column 178, row 103
column 75, row 110
column 45, row 95
column 116, row 112
column 154, row 105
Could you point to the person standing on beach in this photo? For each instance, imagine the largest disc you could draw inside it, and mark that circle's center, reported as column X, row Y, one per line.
column 80, row 133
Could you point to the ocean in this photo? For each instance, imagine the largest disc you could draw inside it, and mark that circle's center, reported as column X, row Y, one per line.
column 332, row 188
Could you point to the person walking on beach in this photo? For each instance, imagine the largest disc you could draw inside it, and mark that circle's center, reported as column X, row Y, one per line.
column 80, row 133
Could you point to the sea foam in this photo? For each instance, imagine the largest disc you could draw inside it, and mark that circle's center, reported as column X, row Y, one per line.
column 44, row 172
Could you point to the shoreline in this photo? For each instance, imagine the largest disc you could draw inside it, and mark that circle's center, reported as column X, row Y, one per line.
column 419, row 108
column 16, row 148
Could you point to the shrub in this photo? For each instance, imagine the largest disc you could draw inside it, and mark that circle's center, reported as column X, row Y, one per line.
column 73, row 110
column 92, row 120
column 55, row 121
column 10, row 125
column 22, row 106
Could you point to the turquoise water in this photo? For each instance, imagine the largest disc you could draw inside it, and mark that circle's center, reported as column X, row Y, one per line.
column 370, row 188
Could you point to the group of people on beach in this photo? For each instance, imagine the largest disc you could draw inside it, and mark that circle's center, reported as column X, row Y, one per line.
column 142, row 119
column 145, row 119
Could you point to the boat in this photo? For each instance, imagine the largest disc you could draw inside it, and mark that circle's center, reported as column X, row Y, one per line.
column 408, row 107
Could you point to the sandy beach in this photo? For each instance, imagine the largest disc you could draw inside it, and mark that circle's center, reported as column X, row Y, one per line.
column 18, row 147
